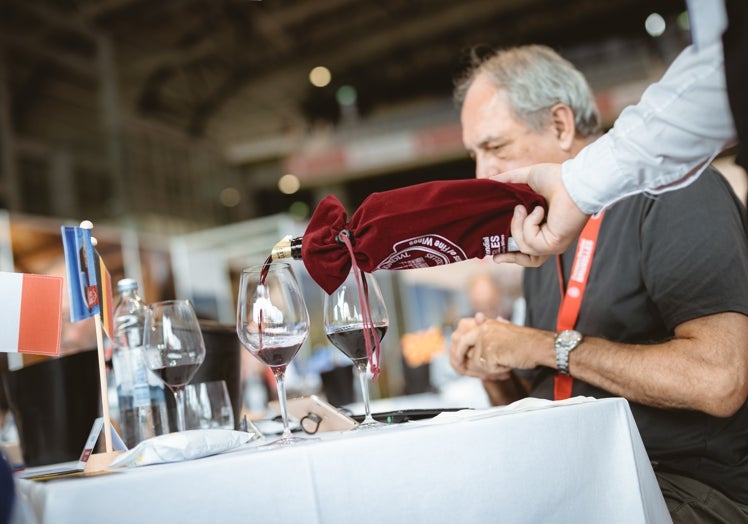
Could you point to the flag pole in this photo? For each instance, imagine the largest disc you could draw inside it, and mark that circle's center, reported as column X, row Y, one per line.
column 100, row 461
column 104, row 389
column 87, row 224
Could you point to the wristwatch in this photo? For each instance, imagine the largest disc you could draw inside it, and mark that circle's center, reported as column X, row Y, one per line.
column 566, row 341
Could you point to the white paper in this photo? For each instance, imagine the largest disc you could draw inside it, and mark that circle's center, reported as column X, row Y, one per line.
column 525, row 404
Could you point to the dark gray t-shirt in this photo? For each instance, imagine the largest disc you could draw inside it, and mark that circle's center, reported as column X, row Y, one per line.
column 661, row 261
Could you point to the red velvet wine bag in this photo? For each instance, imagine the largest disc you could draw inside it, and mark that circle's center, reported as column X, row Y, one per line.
column 424, row 225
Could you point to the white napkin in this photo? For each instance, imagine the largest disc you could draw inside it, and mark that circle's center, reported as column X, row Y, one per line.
column 183, row 445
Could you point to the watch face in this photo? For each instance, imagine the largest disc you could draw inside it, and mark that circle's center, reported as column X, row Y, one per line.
column 569, row 337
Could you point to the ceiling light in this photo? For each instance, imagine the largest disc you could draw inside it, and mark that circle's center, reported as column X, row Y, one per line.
column 683, row 21
column 655, row 24
column 346, row 95
column 230, row 197
column 299, row 210
column 289, row 184
column 320, row 76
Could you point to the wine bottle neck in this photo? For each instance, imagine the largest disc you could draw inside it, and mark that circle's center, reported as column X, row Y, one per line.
column 287, row 248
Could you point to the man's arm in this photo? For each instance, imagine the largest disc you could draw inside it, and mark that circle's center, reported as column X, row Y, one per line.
column 535, row 236
column 703, row 368
column 663, row 143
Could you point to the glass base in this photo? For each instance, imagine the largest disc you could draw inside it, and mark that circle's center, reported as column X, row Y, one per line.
column 287, row 441
column 369, row 423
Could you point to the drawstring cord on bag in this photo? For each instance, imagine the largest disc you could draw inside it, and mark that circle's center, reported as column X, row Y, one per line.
column 370, row 335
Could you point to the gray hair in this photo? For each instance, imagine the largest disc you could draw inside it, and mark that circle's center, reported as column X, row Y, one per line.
column 535, row 79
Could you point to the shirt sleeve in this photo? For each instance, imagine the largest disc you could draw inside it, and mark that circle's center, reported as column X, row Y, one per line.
column 665, row 141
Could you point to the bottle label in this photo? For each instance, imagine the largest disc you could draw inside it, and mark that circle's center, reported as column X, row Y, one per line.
column 423, row 251
column 141, row 395
column 141, row 390
column 121, row 365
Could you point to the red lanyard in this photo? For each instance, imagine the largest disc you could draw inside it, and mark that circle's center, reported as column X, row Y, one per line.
column 571, row 298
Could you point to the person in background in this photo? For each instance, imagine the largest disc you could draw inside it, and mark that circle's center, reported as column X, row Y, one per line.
column 485, row 295
column 697, row 110
column 664, row 318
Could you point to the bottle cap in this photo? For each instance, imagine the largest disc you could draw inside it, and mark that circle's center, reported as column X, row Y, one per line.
column 127, row 284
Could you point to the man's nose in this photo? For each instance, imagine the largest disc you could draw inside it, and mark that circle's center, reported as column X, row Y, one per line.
column 485, row 168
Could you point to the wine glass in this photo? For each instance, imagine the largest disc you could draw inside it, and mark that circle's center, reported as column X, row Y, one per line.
column 174, row 347
column 272, row 323
column 346, row 326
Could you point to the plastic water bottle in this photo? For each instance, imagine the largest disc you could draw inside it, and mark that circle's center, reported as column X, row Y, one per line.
column 142, row 405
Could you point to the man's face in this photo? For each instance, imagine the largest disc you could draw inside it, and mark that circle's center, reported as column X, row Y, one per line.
column 496, row 139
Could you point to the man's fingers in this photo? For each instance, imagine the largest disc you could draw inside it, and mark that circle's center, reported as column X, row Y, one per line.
column 461, row 345
column 520, row 259
column 532, row 234
column 515, row 176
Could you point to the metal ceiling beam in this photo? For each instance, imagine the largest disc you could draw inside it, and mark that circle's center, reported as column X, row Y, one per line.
column 58, row 19
column 11, row 190
column 99, row 8
column 341, row 50
column 55, row 55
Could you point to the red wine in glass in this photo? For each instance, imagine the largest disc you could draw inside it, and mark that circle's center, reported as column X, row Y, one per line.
column 350, row 328
column 351, row 340
column 176, row 376
column 272, row 323
column 174, row 347
column 274, row 356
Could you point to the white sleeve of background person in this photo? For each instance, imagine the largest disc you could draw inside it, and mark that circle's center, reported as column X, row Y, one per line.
column 665, row 141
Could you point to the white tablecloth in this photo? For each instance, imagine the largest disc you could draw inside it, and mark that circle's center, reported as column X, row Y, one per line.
column 578, row 463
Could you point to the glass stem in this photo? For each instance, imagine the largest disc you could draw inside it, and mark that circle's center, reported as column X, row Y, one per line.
column 364, row 381
column 280, row 382
column 179, row 399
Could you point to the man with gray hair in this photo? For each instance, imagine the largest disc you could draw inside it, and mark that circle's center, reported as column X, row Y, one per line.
column 650, row 312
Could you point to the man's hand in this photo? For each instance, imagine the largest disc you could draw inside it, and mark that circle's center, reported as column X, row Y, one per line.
column 465, row 360
column 491, row 348
column 537, row 239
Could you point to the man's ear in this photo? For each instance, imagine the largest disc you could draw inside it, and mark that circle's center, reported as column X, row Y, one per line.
column 562, row 119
